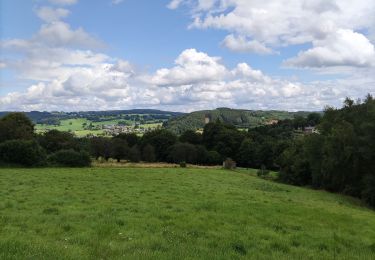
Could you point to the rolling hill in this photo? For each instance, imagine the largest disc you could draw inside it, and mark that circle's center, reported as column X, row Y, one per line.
column 239, row 117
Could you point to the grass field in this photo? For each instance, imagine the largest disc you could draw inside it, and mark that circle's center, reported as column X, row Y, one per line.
column 76, row 126
column 174, row 213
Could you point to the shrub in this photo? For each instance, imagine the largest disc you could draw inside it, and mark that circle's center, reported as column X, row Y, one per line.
column 229, row 164
column 70, row 158
column 23, row 153
column 183, row 164
column 214, row 158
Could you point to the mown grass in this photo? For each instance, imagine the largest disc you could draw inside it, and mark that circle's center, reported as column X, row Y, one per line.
column 125, row 213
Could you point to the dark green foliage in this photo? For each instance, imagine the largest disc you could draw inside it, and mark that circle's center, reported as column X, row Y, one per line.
column 161, row 140
column 131, row 138
column 237, row 117
column 134, row 154
column 16, row 126
column 119, row 149
column 22, row 152
column 247, row 153
column 223, row 138
column 201, row 155
column 214, row 158
column 191, row 137
column 182, row 152
column 148, row 153
column 101, row 147
column 342, row 157
column 70, row 158
column 368, row 192
column 55, row 140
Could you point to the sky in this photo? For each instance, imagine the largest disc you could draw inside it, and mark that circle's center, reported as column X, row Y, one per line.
column 185, row 55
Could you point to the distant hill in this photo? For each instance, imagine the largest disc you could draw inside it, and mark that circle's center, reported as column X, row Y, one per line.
column 239, row 117
column 51, row 117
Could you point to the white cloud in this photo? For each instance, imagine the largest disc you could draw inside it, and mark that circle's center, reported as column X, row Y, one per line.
column 63, row 2
column 174, row 4
column 240, row 44
column 261, row 26
column 191, row 67
column 49, row 14
column 343, row 48
column 60, row 34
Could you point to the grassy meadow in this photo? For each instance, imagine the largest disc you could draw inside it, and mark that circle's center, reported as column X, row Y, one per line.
column 76, row 126
column 175, row 213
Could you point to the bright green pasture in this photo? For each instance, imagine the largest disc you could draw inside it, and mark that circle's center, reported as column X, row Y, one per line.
column 134, row 213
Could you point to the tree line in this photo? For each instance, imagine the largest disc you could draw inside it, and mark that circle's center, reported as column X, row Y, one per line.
column 339, row 159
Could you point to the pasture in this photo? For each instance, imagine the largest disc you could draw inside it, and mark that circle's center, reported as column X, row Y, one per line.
column 175, row 213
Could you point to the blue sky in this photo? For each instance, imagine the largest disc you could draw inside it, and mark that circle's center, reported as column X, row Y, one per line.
column 184, row 55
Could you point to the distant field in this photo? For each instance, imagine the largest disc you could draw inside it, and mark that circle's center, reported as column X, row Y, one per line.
column 174, row 213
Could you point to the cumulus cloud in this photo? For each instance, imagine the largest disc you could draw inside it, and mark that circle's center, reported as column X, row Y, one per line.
column 343, row 48
column 83, row 80
column 265, row 26
column 240, row 44
column 49, row 14
column 191, row 67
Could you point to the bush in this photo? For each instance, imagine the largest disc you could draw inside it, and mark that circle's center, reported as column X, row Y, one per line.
column 214, row 158
column 70, row 158
column 183, row 164
column 23, row 153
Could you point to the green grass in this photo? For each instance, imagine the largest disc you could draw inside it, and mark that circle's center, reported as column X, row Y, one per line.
column 75, row 126
column 109, row 213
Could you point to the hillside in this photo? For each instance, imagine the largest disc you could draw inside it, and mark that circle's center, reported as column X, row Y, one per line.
column 51, row 117
column 172, row 213
column 238, row 117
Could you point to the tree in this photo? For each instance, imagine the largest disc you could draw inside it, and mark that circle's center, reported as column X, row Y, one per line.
column 22, row 152
column 131, row 138
column 182, row 152
column 161, row 140
column 16, row 126
column 214, row 158
column 313, row 119
column 100, row 147
column 119, row 149
column 148, row 153
column 55, row 140
column 201, row 155
column 134, row 154
column 247, row 153
column 191, row 137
